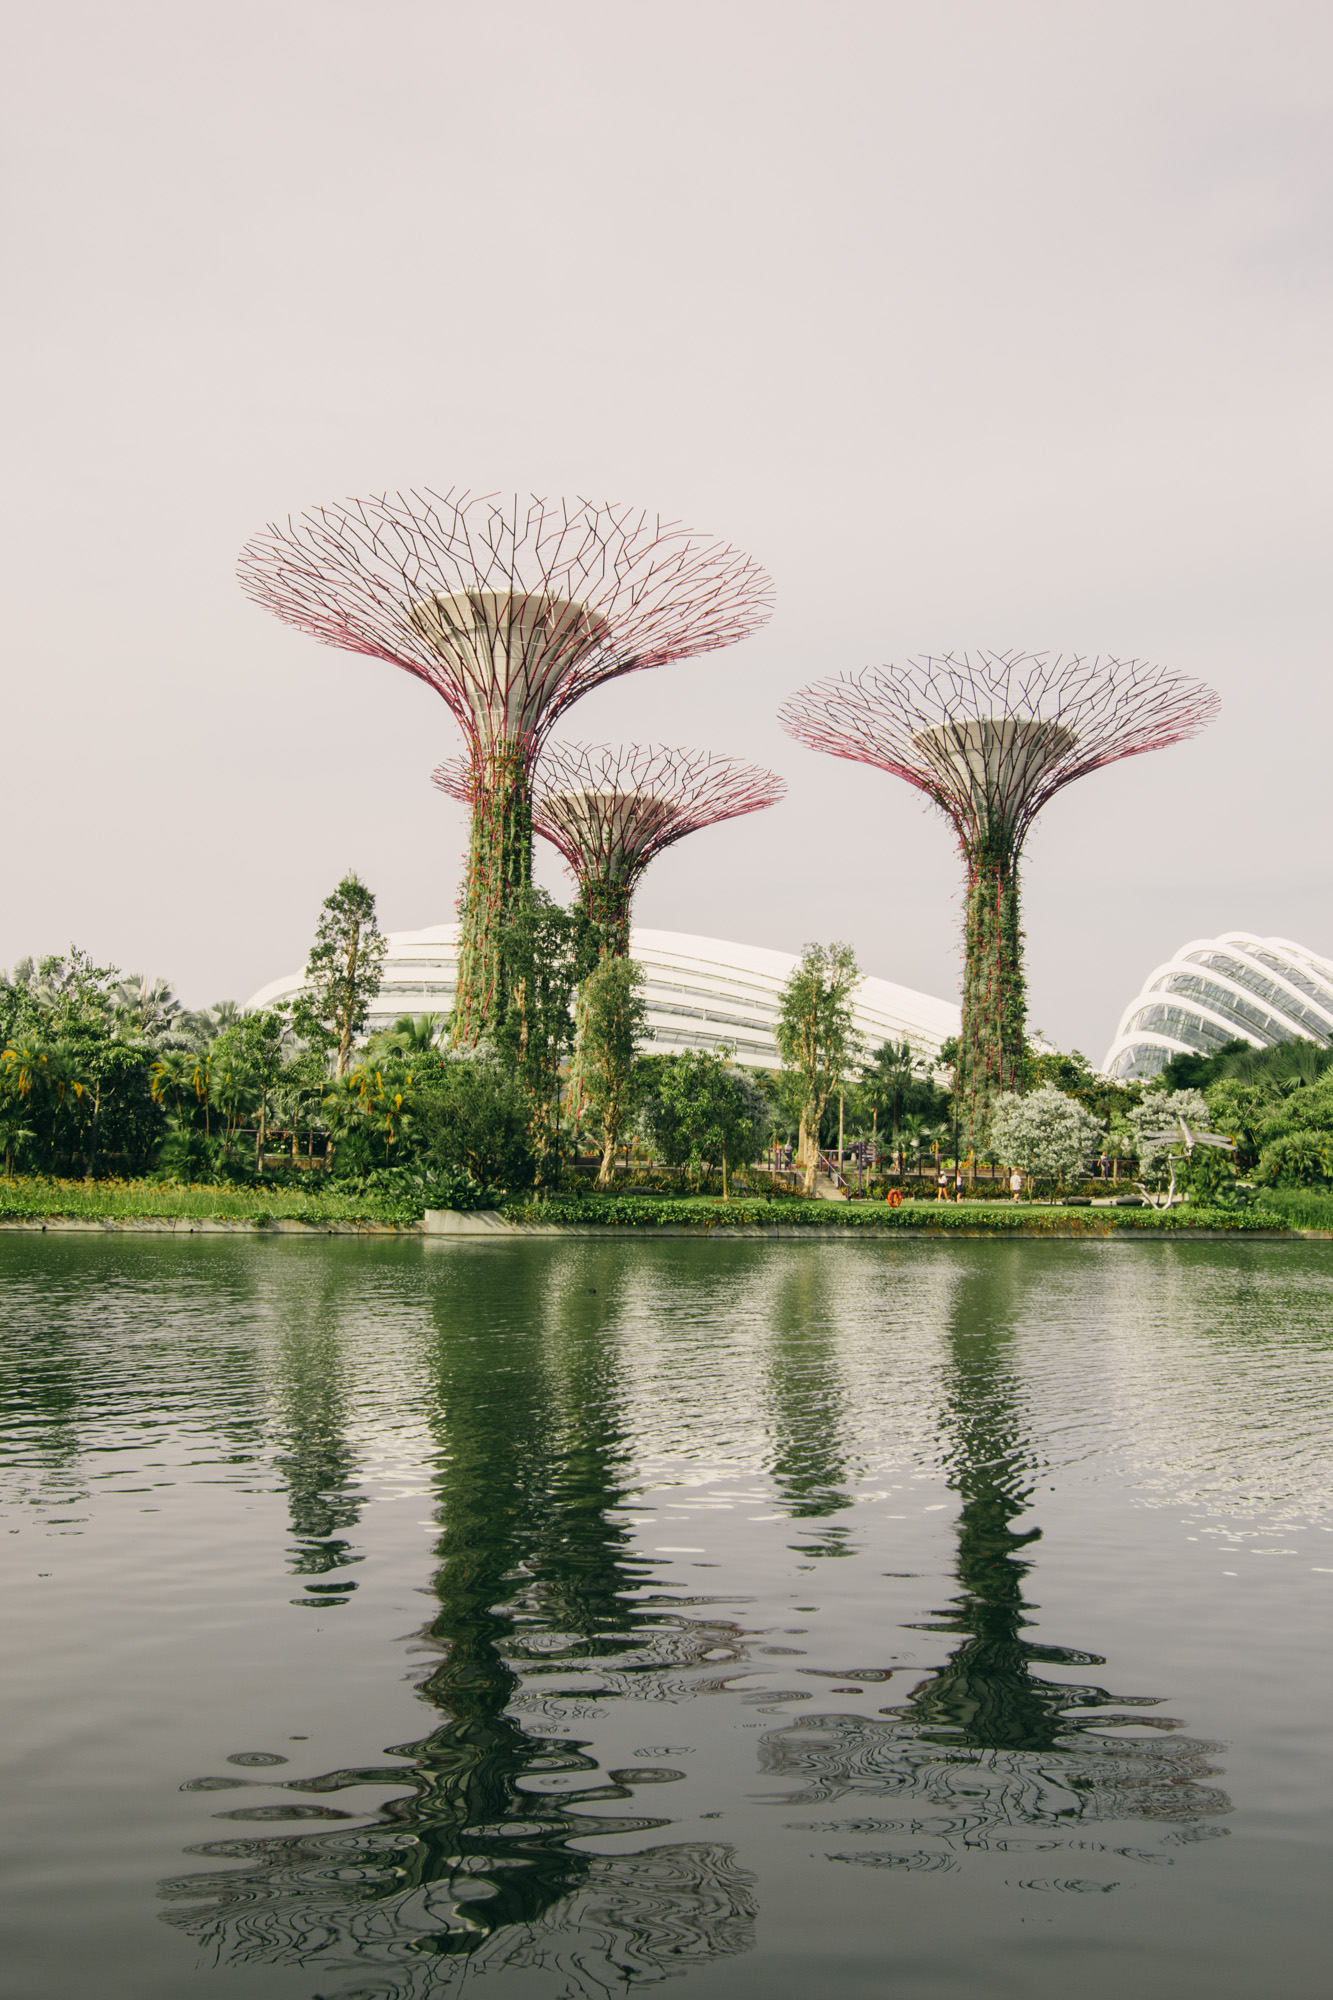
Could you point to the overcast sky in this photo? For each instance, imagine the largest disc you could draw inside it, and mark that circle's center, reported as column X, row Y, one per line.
column 979, row 325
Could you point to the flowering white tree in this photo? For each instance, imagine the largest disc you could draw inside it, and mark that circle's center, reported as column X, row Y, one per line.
column 1046, row 1135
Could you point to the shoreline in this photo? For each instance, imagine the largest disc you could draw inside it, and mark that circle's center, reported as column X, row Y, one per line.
column 450, row 1225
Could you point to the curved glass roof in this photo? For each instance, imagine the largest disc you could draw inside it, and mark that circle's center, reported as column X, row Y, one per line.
column 701, row 992
column 1216, row 990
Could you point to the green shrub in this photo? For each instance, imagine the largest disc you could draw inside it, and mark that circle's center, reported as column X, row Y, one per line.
column 1300, row 1159
column 636, row 1211
column 475, row 1123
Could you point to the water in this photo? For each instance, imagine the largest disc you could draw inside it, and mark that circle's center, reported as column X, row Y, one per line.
column 561, row 1618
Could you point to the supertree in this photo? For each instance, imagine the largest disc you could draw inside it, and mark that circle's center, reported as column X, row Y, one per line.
column 510, row 610
column 990, row 738
column 609, row 811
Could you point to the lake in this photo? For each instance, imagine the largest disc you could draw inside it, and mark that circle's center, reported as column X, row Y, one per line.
column 559, row 1618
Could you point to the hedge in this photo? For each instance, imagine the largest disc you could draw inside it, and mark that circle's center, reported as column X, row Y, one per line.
column 646, row 1212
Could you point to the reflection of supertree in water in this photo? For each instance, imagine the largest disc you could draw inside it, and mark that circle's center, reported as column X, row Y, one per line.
column 319, row 1465
column 808, row 1463
column 473, row 1865
column 985, row 1746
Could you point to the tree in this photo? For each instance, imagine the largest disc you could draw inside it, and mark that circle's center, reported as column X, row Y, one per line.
column 611, row 1019
column 1046, row 1135
column 816, row 1035
column 146, row 1010
column 545, row 952
column 343, row 971
column 699, row 1112
column 896, row 1084
column 411, row 1035
column 1299, row 1159
column 475, row 1121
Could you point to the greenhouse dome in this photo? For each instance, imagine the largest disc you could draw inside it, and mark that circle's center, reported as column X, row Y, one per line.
column 701, row 993
column 1218, row 990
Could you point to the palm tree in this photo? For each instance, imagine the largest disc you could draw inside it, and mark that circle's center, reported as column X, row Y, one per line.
column 145, row 1009
column 171, row 1072
column 14, row 1135
column 410, row 1036
column 886, row 1080
column 231, row 1091
column 213, row 1020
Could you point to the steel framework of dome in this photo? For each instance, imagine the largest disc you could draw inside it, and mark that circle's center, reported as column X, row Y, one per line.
column 609, row 811
column 990, row 738
column 1215, row 990
column 510, row 612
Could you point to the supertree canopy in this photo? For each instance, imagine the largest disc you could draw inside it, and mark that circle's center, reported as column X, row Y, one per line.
column 510, row 610
column 609, row 811
column 989, row 738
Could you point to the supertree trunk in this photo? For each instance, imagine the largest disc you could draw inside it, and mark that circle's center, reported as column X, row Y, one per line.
column 607, row 899
column 991, row 1042
column 499, row 872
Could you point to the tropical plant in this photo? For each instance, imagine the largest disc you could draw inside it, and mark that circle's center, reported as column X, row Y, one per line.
column 146, row 1010
column 474, row 1121
column 817, row 1037
column 611, row 1020
column 410, row 1036
column 15, row 1133
column 545, row 953
column 343, row 971
column 172, row 1071
column 1300, row 1159
column 1046, row 1135
column 699, row 1113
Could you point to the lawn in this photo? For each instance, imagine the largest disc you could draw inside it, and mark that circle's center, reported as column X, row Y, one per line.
column 35, row 1199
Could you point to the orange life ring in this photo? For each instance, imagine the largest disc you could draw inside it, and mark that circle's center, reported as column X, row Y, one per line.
column 894, row 1197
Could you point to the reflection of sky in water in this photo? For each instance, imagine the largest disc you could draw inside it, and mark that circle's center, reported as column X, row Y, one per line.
column 649, row 1481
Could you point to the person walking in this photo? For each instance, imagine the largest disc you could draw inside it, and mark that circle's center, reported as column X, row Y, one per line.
column 1016, row 1185
column 942, row 1191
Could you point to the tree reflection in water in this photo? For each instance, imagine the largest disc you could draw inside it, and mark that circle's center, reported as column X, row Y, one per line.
column 474, row 1865
column 985, row 1749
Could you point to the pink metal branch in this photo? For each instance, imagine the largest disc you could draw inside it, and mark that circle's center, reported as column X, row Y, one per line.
column 991, row 737
column 609, row 811
column 509, row 610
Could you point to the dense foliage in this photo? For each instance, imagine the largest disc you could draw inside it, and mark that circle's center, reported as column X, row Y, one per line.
column 817, row 1037
column 1049, row 1137
column 105, row 1076
column 700, row 1113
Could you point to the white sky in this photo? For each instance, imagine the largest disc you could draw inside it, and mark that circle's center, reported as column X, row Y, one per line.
column 977, row 324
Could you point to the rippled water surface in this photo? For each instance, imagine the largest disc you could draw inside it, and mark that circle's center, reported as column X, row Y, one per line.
column 561, row 1618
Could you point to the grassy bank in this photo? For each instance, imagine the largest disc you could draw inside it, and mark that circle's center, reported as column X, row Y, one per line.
column 36, row 1199
column 33, row 1199
column 649, row 1212
column 1301, row 1208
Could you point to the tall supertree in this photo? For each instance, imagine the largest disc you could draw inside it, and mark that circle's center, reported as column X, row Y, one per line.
column 510, row 610
column 989, row 738
column 609, row 811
